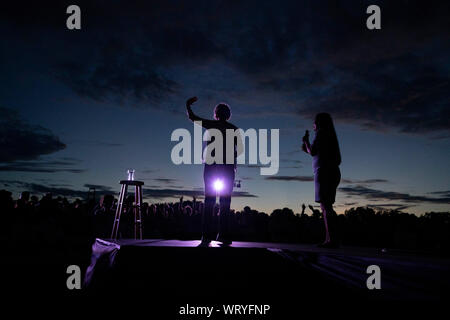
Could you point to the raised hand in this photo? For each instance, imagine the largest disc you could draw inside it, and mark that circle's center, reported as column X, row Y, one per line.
column 191, row 113
column 306, row 136
column 304, row 147
column 190, row 101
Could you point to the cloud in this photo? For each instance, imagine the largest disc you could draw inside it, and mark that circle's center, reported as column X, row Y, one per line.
column 292, row 152
column 176, row 193
column 22, row 145
column 96, row 143
column 386, row 206
column 166, row 180
column 102, row 189
column 23, row 141
column 251, row 166
column 59, row 185
column 291, row 178
column 56, row 189
column 367, row 181
column 43, row 166
column 310, row 56
column 373, row 194
column 295, row 164
column 148, row 171
column 243, row 194
column 291, row 161
column 445, row 193
column 98, row 188
column 403, row 88
column 118, row 75
column 37, row 188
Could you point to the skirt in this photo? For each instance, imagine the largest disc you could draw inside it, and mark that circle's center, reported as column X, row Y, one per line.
column 326, row 181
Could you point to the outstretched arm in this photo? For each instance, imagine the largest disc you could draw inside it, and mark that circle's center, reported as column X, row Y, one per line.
column 191, row 114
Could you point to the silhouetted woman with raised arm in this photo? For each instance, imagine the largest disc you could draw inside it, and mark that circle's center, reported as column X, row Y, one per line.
column 326, row 160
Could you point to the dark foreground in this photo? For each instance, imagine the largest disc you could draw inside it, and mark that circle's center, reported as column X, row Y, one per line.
column 170, row 274
column 183, row 270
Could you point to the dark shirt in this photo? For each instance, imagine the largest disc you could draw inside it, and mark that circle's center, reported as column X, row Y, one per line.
column 222, row 126
column 325, row 151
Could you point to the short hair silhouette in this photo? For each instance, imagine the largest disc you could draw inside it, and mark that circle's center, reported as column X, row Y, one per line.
column 222, row 111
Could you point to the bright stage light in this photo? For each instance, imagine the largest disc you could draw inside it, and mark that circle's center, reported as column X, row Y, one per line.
column 218, row 185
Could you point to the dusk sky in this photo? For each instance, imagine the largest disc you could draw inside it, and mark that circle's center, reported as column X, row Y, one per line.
column 80, row 107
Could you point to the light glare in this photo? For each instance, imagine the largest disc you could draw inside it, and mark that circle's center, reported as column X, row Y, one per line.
column 218, row 185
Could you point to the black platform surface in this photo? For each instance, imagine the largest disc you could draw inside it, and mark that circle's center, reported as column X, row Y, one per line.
column 183, row 270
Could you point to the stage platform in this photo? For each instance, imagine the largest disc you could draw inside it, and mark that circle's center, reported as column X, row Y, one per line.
column 184, row 270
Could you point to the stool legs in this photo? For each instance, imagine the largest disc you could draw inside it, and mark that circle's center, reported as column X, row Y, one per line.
column 137, row 210
column 138, row 213
column 123, row 192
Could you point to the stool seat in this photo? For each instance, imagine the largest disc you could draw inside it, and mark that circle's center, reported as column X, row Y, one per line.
column 132, row 182
column 137, row 208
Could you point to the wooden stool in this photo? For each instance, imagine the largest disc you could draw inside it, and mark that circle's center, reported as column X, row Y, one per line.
column 137, row 208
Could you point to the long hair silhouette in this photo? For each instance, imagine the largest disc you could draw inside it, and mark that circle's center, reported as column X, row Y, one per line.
column 327, row 136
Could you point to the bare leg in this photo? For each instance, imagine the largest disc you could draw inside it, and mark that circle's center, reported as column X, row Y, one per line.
column 326, row 208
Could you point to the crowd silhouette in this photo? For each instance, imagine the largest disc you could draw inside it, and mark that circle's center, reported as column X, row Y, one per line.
column 57, row 220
